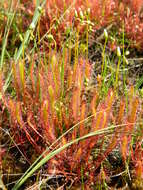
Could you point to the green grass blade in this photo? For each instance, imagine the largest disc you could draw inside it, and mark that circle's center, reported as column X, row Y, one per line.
column 31, row 28
column 6, row 33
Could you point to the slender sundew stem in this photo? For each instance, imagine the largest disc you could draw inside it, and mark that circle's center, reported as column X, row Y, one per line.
column 117, row 72
column 6, row 33
column 103, row 55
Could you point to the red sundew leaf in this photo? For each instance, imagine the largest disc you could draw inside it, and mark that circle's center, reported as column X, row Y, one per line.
column 121, row 112
column 31, row 140
column 136, row 5
column 107, row 106
column 93, row 104
column 32, row 126
column 132, row 154
column 14, row 109
column 66, row 117
column 38, row 86
column 15, row 79
column 11, row 107
column 97, row 121
column 48, row 122
column 66, row 57
column 82, row 129
column 22, row 75
column 124, row 147
column 93, row 108
column 131, row 93
column 75, row 70
column 133, row 110
column 50, row 132
column 52, row 99
column 126, row 139
column 111, row 146
column 70, row 78
column 32, row 76
column 18, row 114
column 76, row 103
column 103, row 120
column 58, row 80
column 2, row 153
column 58, row 121
column 55, row 73
column 103, row 112
column 79, row 78
column 90, row 143
column 137, row 154
column 77, row 157
column 44, row 111
column 109, row 100
column 139, row 169
column 132, row 115
column 64, row 141
column 34, row 2
column 88, row 69
column 43, row 86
